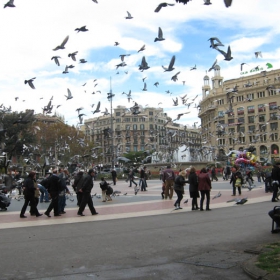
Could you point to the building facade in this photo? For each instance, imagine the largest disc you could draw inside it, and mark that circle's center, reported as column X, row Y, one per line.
column 148, row 130
column 242, row 112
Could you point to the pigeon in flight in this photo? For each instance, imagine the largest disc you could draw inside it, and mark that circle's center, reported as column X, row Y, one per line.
column 142, row 48
column 207, row 2
column 56, row 60
column 156, row 84
column 97, row 110
column 227, row 54
column 170, row 66
column 128, row 16
column 144, row 65
column 160, row 36
column 214, row 44
column 30, row 82
column 228, row 3
column 122, row 56
column 175, row 77
column 69, row 96
column 116, row 43
column 193, row 68
column 258, row 54
column 81, row 29
column 145, row 87
column 73, row 55
column 214, row 64
column 241, row 65
column 62, row 46
column 83, row 61
column 66, row 70
column 10, row 4
column 162, row 5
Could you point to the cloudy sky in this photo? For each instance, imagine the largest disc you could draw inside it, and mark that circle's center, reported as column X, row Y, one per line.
column 30, row 31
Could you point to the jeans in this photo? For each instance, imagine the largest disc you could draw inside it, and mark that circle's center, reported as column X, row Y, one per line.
column 180, row 197
column 143, row 184
column 44, row 193
column 203, row 193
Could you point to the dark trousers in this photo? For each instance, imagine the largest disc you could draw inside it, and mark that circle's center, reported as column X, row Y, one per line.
column 132, row 181
column 275, row 191
column 114, row 180
column 86, row 200
column 234, row 190
column 203, row 194
column 179, row 197
column 79, row 198
column 54, row 204
column 29, row 200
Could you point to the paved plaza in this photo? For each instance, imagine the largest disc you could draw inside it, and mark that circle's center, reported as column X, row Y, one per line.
column 137, row 237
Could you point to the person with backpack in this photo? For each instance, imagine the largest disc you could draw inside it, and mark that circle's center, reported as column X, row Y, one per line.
column 179, row 183
column 168, row 179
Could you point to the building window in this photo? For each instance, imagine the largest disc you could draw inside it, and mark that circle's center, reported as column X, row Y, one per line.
column 261, row 94
column 273, row 106
column 250, row 96
column 127, row 119
column 252, row 128
column 274, row 136
column 142, row 126
column 151, row 113
column 151, row 126
column 240, row 111
column 251, row 109
column 134, row 127
column 240, row 120
column 134, row 119
column 251, row 119
column 118, row 120
column 274, row 126
column 230, row 121
column 220, row 102
column 241, row 129
column 240, row 98
column 261, row 118
column 221, row 113
column 271, row 92
column 261, row 108
column 118, row 114
column 273, row 116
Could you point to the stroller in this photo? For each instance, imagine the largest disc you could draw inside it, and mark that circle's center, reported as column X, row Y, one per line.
column 4, row 200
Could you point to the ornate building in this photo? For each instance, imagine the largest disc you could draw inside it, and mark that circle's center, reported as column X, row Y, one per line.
column 242, row 112
column 150, row 129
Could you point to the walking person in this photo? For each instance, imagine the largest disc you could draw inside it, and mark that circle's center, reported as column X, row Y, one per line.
column 168, row 179
column 179, row 184
column 54, row 189
column 204, row 186
column 237, row 181
column 114, row 176
column 36, row 197
column 77, row 185
column 29, row 196
column 193, row 188
column 131, row 178
column 143, row 183
column 275, row 177
column 213, row 174
column 86, row 190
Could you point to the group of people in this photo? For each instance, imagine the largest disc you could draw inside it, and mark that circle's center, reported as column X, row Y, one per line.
column 56, row 186
column 200, row 183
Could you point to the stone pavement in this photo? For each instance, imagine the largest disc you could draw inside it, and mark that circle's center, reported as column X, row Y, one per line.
column 140, row 237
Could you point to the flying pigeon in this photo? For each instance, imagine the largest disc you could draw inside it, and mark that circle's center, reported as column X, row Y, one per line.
column 258, row 54
column 175, row 77
column 10, row 4
column 144, row 65
column 62, row 46
column 161, row 5
column 30, row 82
column 228, row 3
column 73, row 55
column 212, row 67
column 227, row 54
column 129, row 16
column 170, row 66
column 207, row 2
column 142, row 48
column 81, row 29
column 214, row 44
column 83, row 61
column 160, row 35
column 56, row 60
column 69, row 96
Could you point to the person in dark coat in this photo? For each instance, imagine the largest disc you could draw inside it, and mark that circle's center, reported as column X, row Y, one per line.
column 168, row 179
column 204, row 186
column 54, row 188
column 179, row 183
column 86, row 190
column 29, row 196
column 77, row 185
column 193, row 188
column 275, row 177
column 114, row 176
column 237, row 181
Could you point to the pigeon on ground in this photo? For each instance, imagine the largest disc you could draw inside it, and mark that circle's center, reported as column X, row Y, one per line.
column 30, row 82
column 217, row 195
column 62, row 46
column 242, row 201
column 160, row 36
column 162, row 5
column 186, row 201
column 170, row 66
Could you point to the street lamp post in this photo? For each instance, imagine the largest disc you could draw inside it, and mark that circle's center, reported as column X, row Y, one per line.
column 110, row 96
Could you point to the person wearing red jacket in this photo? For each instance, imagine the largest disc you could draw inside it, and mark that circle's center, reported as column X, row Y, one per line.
column 204, row 186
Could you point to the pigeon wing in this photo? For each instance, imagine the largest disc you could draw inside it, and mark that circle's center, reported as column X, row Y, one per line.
column 172, row 61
